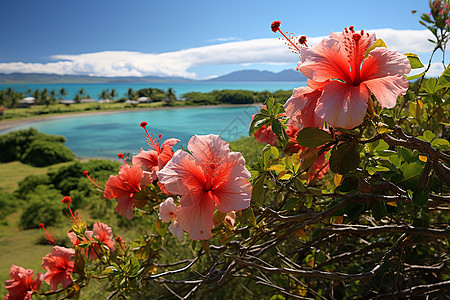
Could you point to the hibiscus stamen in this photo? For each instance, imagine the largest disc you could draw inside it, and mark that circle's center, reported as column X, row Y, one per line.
column 120, row 155
column 50, row 238
column 66, row 200
column 293, row 44
column 151, row 138
column 120, row 242
column 92, row 180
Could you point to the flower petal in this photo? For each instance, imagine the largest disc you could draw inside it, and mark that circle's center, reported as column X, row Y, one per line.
column 342, row 105
column 149, row 160
column 176, row 230
column 324, row 61
column 195, row 214
column 383, row 62
column 104, row 234
column 301, row 106
column 208, row 148
column 167, row 210
column 387, row 89
column 166, row 152
column 181, row 173
column 235, row 195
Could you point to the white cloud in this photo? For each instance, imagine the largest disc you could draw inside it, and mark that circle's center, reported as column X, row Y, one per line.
column 177, row 63
column 226, row 39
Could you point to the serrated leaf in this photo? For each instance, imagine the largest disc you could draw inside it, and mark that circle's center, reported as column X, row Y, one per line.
column 313, row 137
column 414, row 61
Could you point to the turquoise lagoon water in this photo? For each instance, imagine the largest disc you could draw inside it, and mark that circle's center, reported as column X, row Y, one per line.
column 106, row 135
column 94, row 89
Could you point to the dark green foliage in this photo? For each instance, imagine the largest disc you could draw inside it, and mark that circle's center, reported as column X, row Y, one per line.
column 43, row 153
column 67, row 178
column 249, row 147
column 44, row 206
column 234, row 96
column 8, row 204
column 33, row 147
column 198, row 98
column 28, row 184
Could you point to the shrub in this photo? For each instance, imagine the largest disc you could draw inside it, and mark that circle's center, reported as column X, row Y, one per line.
column 43, row 153
column 16, row 146
column 29, row 183
column 7, row 205
column 44, row 206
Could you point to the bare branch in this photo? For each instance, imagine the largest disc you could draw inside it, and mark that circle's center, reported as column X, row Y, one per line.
column 364, row 230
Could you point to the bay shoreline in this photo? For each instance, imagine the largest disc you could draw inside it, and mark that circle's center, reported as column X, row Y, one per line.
column 7, row 124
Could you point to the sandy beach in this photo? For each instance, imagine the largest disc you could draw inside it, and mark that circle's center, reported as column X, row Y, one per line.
column 6, row 124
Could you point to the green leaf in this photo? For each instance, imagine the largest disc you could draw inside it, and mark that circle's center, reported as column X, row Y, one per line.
column 379, row 210
column 411, row 175
column 444, row 79
column 313, row 137
column 280, row 132
column 414, row 61
column 420, row 197
column 258, row 121
column 415, row 76
column 378, row 43
column 428, row 135
column 344, row 158
column 373, row 170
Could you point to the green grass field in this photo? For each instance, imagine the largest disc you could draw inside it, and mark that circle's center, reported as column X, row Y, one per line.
column 13, row 172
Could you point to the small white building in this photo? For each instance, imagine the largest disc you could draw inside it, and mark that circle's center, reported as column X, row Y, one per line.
column 28, row 100
column 88, row 101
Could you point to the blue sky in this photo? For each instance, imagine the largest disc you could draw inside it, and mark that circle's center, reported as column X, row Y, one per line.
column 194, row 39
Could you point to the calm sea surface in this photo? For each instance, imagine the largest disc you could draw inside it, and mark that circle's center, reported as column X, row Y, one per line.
column 94, row 89
column 106, row 135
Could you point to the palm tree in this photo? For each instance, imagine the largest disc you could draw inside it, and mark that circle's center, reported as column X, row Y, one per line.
column 170, row 95
column 105, row 94
column 52, row 96
column 113, row 94
column 62, row 92
column 131, row 94
column 2, row 98
column 45, row 98
column 37, row 96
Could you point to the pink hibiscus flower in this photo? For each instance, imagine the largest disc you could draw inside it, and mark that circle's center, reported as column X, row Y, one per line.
column 59, row 267
column 154, row 160
column 21, row 285
column 102, row 232
column 212, row 177
column 167, row 210
column 342, row 78
column 124, row 187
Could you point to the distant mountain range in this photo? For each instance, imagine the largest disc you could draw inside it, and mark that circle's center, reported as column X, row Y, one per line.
column 255, row 75
column 243, row 75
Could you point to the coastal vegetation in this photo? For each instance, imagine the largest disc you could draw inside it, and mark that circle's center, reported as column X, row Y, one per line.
column 49, row 102
column 28, row 193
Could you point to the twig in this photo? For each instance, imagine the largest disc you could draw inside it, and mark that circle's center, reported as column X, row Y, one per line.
column 352, row 229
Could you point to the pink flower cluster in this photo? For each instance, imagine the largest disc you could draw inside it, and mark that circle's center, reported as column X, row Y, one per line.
column 210, row 177
column 101, row 233
column 207, row 178
column 341, row 77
